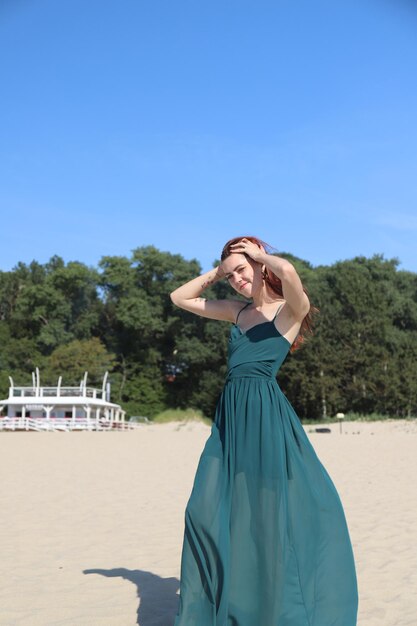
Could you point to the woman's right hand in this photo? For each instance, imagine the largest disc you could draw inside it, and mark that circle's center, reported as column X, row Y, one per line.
column 220, row 273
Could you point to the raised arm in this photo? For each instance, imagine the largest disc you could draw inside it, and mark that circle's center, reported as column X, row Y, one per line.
column 188, row 297
column 292, row 288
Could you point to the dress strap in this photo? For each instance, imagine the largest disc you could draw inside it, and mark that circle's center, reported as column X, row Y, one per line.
column 278, row 310
column 244, row 307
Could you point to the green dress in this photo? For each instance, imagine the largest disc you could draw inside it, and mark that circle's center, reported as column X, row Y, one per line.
column 266, row 541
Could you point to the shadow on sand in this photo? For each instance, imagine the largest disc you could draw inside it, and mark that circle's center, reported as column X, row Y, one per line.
column 158, row 596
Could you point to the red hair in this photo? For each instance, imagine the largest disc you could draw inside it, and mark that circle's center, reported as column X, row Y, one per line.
column 275, row 284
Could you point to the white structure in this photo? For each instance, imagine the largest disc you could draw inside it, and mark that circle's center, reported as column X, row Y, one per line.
column 60, row 408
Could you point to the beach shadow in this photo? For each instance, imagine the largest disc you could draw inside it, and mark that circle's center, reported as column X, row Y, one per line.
column 158, row 596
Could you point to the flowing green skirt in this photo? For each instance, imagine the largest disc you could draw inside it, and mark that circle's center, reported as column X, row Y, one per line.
column 266, row 541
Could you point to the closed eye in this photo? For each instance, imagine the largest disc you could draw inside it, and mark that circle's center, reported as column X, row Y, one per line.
column 239, row 268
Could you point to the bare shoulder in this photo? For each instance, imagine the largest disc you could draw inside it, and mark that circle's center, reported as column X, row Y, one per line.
column 294, row 294
column 287, row 322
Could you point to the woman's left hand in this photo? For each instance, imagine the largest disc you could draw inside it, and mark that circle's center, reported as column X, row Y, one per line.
column 244, row 246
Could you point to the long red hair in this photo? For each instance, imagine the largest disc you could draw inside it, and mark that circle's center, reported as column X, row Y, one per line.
column 275, row 284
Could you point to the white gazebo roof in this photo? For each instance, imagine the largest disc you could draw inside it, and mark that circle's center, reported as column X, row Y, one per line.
column 36, row 397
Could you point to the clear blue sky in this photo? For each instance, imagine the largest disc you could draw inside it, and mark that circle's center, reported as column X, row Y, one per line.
column 183, row 123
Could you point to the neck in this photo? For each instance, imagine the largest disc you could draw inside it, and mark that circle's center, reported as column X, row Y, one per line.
column 264, row 297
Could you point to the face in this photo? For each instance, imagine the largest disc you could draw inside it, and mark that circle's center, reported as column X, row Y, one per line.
column 243, row 274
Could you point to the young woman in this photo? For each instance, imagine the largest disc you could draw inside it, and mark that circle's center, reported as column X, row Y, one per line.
column 266, row 541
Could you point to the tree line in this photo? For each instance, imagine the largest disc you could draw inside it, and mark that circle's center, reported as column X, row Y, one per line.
column 66, row 318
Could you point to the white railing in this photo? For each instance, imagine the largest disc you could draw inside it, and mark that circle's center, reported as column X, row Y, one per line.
column 63, row 424
column 57, row 392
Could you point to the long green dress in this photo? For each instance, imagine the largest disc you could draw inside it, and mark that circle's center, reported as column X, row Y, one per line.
column 266, row 541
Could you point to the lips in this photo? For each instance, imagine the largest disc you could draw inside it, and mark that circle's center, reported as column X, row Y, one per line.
column 243, row 286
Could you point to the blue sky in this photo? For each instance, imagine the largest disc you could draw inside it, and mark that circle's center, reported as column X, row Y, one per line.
column 184, row 123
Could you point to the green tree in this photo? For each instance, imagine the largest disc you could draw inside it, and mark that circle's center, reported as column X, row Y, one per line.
column 72, row 359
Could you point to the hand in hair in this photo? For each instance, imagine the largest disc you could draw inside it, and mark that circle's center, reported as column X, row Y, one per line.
column 254, row 251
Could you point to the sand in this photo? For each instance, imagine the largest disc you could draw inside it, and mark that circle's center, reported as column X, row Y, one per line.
column 92, row 523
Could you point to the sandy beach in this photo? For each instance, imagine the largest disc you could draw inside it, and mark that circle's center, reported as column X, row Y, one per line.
column 92, row 523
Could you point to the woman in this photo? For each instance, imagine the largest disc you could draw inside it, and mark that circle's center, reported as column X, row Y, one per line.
column 266, row 541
